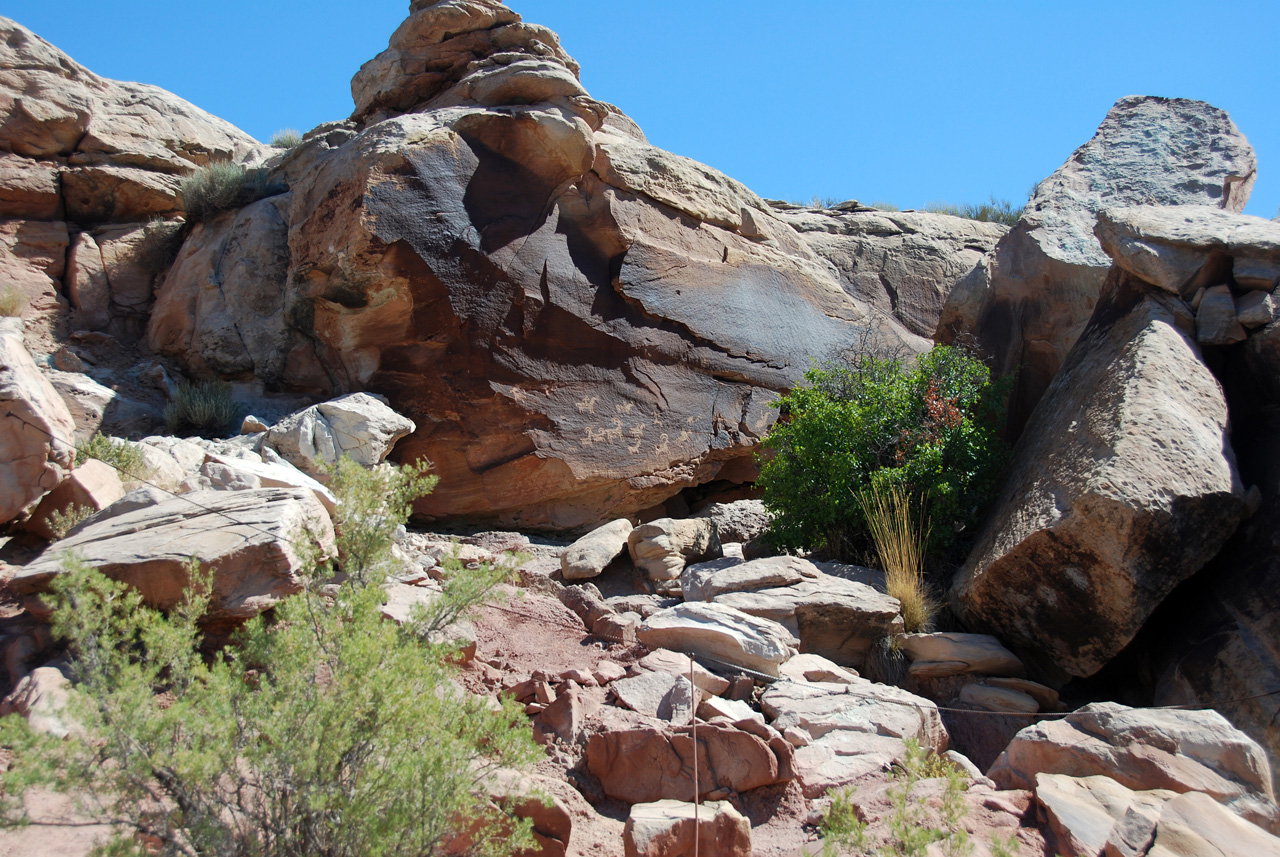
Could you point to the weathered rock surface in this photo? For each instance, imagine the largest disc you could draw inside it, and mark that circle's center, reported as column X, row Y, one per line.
column 564, row 326
column 646, row 763
column 719, row 634
column 676, row 664
column 589, row 555
column 1090, row 814
column 1181, row 751
column 954, row 653
column 737, row 521
column 359, row 426
column 1193, row 824
column 658, row 694
column 37, row 434
column 1047, row 273
column 662, row 548
column 669, row 828
column 244, row 537
column 907, row 265
column 855, row 729
column 1122, row 486
column 92, row 486
column 41, row 697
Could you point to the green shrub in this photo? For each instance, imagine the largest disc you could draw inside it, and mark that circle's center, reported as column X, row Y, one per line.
column 204, row 408
column 123, row 456
column 12, row 302
column 324, row 731
column 286, row 138
column 61, row 523
column 932, row 427
column 158, row 246
column 222, row 186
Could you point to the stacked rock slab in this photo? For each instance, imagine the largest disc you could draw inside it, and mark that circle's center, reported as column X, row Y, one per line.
column 1122, row 486
column 87, row 161
column 1047, row 273
column 580, row 324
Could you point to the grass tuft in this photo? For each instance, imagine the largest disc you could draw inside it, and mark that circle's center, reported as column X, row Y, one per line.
column 222, row 186
column 12, row 302
column 900, row 540
column 286, row 138
column 204, row 408
column 993, row 211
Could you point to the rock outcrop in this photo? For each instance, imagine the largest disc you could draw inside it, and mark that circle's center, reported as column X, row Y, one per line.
column 1123, row 485
column 37, row 433
column 1047, row 273
column 580, row 324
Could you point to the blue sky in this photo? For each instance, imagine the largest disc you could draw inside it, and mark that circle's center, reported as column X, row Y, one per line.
column 906, row 102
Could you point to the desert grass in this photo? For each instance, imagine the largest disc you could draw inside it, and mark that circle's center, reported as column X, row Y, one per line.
column 12, row 303
column 900, row 538
column 286, row 138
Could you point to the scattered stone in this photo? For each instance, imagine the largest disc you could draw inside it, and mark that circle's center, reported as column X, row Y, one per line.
column 93, row 486
column 718, row 634
column 705, row 581
column 662, row 548
column 585, row 601
column 589, row 555
column 42, row 697
column 809, row 667
column 607, row 671
column 1045, row 697
column 1256, row 309
column 730, row 708
column 86, row 400
column 954, row 653
column 657, row 694
column 738, row 521
column 667, row 828
column 621, row 628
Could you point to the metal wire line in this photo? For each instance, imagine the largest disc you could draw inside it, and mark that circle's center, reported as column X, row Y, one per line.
column 771, row 679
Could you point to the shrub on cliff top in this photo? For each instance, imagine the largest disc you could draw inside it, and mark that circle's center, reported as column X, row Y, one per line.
column 222, row 186
column 931, row 426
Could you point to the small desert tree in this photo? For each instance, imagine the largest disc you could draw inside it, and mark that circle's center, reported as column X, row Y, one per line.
column 324, row 730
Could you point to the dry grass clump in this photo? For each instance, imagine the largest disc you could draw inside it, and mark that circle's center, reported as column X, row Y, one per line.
column 223, row 186
column 12, row 303
column 205, row 408
column 900, row 540
column 286, row 138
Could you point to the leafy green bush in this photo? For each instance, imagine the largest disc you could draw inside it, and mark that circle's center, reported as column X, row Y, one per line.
column 120, row 454
column 324, row 731
column 932, row 426
column 286, row 138
column 204, row 408
column 12, row 303
column 222, row 186
column 61, row 523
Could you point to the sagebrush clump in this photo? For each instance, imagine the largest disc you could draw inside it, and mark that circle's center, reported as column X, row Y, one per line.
column 324, row 730
column 12, row 303
column 205, row 408
column 126, row 458
column 222, row 186
column 931, row 425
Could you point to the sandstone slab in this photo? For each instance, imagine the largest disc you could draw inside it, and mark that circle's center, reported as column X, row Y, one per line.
column 589, row 555
column 669, row 828
column 955, row 653
column 357, row 425
column 720, row 634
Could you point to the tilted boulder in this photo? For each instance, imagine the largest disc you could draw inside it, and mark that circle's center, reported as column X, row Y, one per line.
column 719, row 634
column 556, row 303
column 1047, row 273
column 1143, row 749
column 248, row 539
column 91, row 487
column 358, row 425
column 953, row 653
column 37, row 434
column 1122, row 486
column 662, row 548
column 589, row 555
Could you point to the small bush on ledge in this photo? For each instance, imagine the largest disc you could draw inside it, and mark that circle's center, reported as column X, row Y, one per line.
column 286, row 138
column 223, row 186
column 931, row 426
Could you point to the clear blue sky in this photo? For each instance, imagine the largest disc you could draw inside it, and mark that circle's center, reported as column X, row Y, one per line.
column 907, row 102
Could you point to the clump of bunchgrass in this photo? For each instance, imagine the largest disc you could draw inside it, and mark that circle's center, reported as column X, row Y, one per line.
column 900, row 538
column 992, row 211
column 222, row 186
column 205, row 408
column 126, row 458
column 286, row 138
column 12, row 302
column 882, row 205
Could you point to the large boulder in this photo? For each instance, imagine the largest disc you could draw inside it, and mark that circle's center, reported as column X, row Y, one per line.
column 359, row 426
column 721, row 635
column 671, row 828
column 1047, row 273
column 589, row 555
column 248, row 539
column 580, row 324
column 849, row 730
column 37, row 434
column 1144, row 749
column 1123, row 485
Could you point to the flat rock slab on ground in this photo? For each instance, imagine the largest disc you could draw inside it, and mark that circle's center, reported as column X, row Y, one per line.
column 247, row 539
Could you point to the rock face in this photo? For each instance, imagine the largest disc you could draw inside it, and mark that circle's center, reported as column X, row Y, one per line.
column 558, row 305
column 83, row 153
column 1181, row 751
column 253, row 560
column 36, row 431
column 1047, row 273
column 1122, row 486
column 912, row 266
